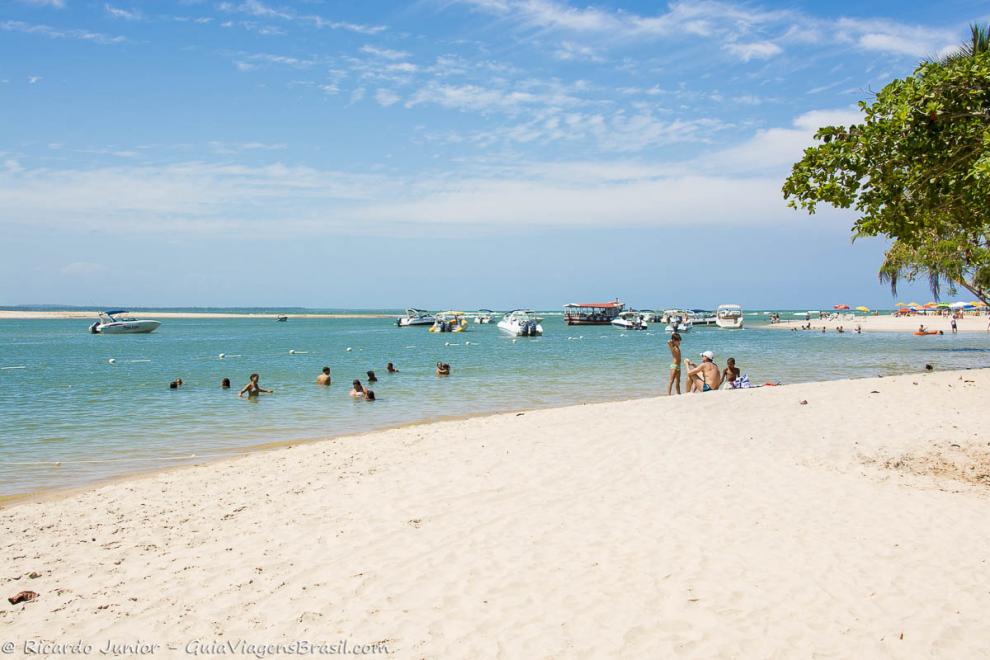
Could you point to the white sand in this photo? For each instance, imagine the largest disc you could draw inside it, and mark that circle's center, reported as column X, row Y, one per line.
column 730, row 524
column 888, row 323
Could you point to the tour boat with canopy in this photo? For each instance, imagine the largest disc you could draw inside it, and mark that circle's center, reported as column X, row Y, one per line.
column 599, row 313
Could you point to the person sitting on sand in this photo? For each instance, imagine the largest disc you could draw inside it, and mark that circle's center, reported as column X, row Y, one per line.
column 253, row 389
column 372, row 378
column 675, row 363
column 175, row 384
column 703, row 377
column 731, row 372
column 391, row 368
column 369, row 395
column 357, row 389
column 443, row 369
column 225, row 384
column 324, row 378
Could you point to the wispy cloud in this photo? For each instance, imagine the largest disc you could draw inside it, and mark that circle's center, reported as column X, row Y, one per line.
column 57, row 4
column 757, row 50
column 384, row 53
column 125, row 14
column 259, row 9
column 386, row 97
column 55, row 33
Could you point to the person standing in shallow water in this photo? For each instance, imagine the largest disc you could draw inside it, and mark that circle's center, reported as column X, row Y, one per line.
column 324, row 377
column 674, row 344
column 253, row 389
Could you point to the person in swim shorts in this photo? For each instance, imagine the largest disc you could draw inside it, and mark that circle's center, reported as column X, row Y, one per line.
column 704, row 377
column 674, row 344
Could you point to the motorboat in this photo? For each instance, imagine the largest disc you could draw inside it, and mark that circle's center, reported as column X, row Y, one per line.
column 677, row 320
column 521, row 323
column 415, row 317
column 484, row 316
column 450, row 322
column 592, row 313
column 630, row 320
column 729, row 317
column 281, row 318
column 648, row 315
column 113, row 323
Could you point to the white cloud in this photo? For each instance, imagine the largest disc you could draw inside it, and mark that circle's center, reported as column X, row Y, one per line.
column 384, row 53
column 735, row 186
column 569, row 51
column 33, row 79
column 53, row 33
column 896, row 38
column 386, row 97
column 757, row 50
column 126, row 14
column 57, row 4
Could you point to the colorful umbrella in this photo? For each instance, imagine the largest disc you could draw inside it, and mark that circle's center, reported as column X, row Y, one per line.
column 931, row 304
column 913, row 304
column 978, row 303
column 862, row 309
column 960, row 305
column 840, row 306
column 900, row 305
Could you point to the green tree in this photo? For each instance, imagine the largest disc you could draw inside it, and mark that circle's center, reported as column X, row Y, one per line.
column 916, row 170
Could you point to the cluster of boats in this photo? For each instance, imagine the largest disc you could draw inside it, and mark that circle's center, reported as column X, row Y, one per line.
column 526, row 323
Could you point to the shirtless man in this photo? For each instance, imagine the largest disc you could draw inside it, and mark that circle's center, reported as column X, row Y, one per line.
column 675, row 363
column 324, row 378
column 253, row 389
column 704, row 377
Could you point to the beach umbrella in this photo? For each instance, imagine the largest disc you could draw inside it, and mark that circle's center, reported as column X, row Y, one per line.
column 900, row 305
column 861, row 308
column 960, row 305
column 978, row 303
column 931, row 304
column 943, row 305
column 913, row 304
column 840, row 306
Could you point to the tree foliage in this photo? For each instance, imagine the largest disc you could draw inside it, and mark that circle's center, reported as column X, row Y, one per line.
column 916, row 170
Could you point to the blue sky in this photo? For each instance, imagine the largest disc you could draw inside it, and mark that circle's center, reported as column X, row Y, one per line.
column 440, row 153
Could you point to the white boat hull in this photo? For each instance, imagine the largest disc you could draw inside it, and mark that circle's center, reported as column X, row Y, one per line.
column 407, row 322
column 629, row 325
column 730, row 324
column 127, row 327
column 517, row 330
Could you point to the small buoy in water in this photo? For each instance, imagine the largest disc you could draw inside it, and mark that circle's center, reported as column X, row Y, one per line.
column 222, row 356
column 292, row 351
column 514, row 341
column 446, row 343
column 112, row 361
column 349, row 349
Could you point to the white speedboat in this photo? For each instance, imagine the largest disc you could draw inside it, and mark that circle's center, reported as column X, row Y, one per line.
column 729, row 317
column 281, row 318
column 415, row 317
column 521, row 323
column 484, row 316
column 630, row 320
column 677, row 320
column 112, row 323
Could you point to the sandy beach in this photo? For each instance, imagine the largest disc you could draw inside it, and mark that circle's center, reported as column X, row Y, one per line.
column 84, row 314
column 888, row 323
column 843, row 519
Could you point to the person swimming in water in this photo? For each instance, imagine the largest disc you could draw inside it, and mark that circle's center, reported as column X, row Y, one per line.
column 225, row 384
column 324, row 377
column 369, row 395
column 357, row 389
column 372, row 378
column 443, row 369
column 674, row 344
column 175, row 384
column 253, row 389
column 391, row 368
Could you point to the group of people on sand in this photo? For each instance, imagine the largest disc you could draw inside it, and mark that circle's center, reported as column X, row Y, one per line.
column 704, row 377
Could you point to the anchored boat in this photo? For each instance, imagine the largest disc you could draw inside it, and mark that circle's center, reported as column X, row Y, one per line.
column 729, row 317
column 592, row 313
column 521, row 323
column 415, row 317
column 112, row 323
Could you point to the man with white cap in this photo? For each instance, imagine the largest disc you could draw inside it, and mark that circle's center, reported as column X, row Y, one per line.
column 704, row 377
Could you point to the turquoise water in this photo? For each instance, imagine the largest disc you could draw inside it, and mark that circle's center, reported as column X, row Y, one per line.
column 62, row 401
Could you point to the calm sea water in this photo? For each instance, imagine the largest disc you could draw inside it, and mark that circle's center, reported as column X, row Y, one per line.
column 62, row 401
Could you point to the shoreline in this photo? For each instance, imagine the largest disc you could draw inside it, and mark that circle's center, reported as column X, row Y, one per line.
column 219, row 455
column 907, row 324
column 583, row 530
column 17, row 315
